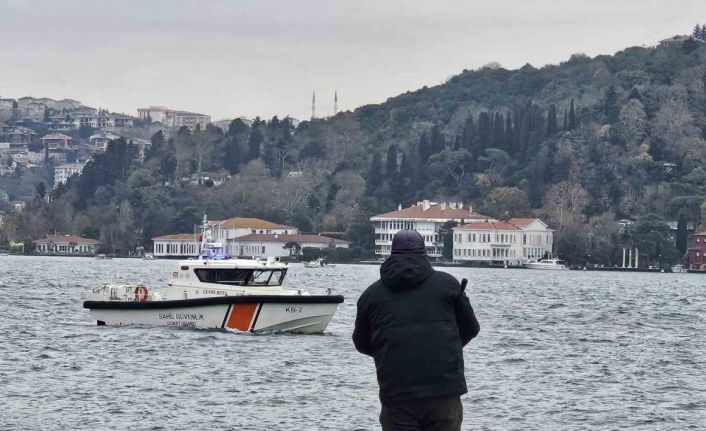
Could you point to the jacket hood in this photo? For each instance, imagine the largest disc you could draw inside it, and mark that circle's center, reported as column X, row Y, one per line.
column 405, row 271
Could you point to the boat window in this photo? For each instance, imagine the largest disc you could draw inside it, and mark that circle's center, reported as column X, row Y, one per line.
column 223, row 276
column 266, row 277
column 276, row 278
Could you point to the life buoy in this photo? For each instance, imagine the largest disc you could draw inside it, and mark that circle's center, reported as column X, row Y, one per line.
column 141, row 293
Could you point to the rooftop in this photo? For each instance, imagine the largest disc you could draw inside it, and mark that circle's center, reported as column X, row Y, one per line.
column 433, row 210
column 56, row 136
column 67, row 239
column 489, row 226
column 178, row 237
column 273, row 237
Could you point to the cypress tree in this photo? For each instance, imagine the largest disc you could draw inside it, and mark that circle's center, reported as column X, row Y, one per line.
column 498, row 131
column 391, row 165
column 373, row 180
column 468, row 135
column 405, row 168
column 424, row 149
column 509, row 134
column 438, row 143
column 254, row 143
column 552, row 126
column 566, row 124
column 572, row 116
column 484, row 131
column 610, row 106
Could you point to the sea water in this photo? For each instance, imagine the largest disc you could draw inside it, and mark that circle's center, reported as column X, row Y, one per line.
column 564, row 350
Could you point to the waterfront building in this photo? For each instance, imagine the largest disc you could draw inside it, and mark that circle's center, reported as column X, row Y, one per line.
column 66, row 245
column 63, row 172
column 222, row 231
column 226, row 231
column 488, row 243
column 515, row 242
column 537, row 238
column 280, row 245
column 696, row 253
column 425, row 217
column 176, row 245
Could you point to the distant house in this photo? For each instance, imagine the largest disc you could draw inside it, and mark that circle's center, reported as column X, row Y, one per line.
column 124, row 121
column 66, row 245
column 17, row 134
column 61, row 123
column 696, row 253
column 143, row 146
column 677, row 40
column 214, row 177
column 65, row 171
column 57, row 142
column 174, row 119
column 275, row 245
column 100, row 140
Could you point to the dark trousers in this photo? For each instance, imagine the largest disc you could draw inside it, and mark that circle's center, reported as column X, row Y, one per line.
column 426, row 414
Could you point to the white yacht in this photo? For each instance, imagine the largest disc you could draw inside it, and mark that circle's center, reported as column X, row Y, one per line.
column 215, row 291
column 552, row 264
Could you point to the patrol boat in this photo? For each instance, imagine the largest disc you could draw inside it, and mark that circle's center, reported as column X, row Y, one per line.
column 216, row 291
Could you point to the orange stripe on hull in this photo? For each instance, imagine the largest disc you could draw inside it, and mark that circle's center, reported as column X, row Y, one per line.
column 240, row 316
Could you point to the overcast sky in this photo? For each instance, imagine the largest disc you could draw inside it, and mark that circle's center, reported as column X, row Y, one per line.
column 240, row 57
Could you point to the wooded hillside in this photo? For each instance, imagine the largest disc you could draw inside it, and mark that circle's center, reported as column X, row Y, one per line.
column 582, row 144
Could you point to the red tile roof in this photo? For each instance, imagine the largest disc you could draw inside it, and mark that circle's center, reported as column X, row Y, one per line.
column 178, row 237
column 265, row 237
column 67, row 239
column 518, row 221
column 488, row 226
column 433, row 212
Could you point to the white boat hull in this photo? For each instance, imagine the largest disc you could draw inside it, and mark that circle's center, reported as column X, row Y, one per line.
column 298, row 314
column 546, row 267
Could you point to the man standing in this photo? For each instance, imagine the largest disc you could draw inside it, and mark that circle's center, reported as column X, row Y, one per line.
column 414, row 322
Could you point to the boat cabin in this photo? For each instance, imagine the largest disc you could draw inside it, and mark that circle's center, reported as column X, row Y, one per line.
column 233, row 272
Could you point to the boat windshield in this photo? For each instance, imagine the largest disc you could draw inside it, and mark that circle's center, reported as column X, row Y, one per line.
column 241, row 277
column 267, row 277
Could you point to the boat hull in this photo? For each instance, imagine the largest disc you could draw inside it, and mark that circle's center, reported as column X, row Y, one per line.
column 308, row 314
column 546, row 267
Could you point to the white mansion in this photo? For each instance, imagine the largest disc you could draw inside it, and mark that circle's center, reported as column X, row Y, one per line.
column 477, row 239
column 243, row 236
column 427, row 218
column 515, row 242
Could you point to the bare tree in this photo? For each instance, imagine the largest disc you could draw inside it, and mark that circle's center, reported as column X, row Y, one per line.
column 564, row 204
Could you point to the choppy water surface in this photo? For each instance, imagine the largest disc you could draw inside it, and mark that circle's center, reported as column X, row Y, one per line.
column 557, row 350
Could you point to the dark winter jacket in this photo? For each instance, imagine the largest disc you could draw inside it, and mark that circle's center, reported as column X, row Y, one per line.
column 414, row 322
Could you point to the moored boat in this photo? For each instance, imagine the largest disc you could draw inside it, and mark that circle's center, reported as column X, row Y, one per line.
column 215, row 291
column 318, row 263
column 550, row 264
